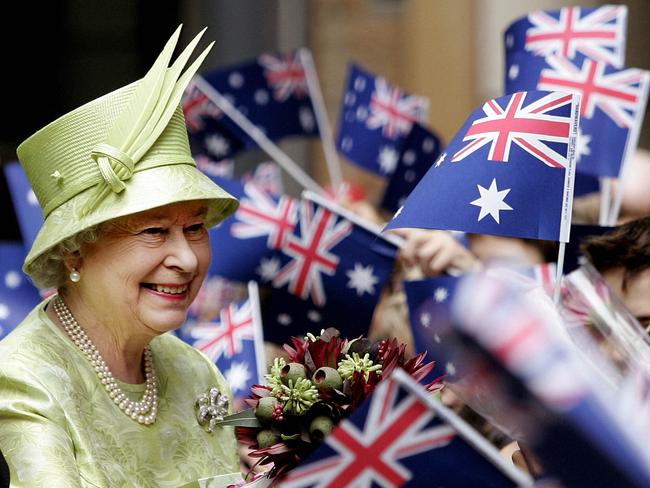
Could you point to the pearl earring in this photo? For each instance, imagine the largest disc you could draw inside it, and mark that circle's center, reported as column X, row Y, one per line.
column 75, row 276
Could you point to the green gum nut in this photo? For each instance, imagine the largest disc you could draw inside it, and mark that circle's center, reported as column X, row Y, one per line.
column 292, row 371
column 266, row 438
column 320, row 427
column 327, row 377
column 265, row 408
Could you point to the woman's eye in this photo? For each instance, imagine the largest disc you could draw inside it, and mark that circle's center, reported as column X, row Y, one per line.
column 195, row 228
column 153, row 231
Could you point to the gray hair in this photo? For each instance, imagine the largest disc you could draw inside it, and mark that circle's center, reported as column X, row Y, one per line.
column 49, row 269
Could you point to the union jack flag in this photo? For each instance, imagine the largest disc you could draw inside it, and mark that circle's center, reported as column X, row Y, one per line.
column 618, row 93
column 528, row 126
column 613, row 104
column 196, row 106
column 225, row 337
column 285, row 74
column 311, row 252
column 235, row 342
column 598, row 33
column 400, row 438
column 259, row 214
column 269, row 90
column 393, row 110
column 371, row 103
column 335, row 265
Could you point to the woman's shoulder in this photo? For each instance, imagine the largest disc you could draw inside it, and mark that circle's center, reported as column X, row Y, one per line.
column 34, row 339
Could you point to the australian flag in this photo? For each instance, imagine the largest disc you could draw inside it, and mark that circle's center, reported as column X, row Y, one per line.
column 570, row 415
column 508, row 171
column 612, row 107
column 28, row 211
column 420, row 150
column 271, row 91
column 244, row 246
column 376, row 118
column 402, row 437
column 18, row 296
column 598, row 33
column 234, row 342
column 429, row 302
column 330, row 272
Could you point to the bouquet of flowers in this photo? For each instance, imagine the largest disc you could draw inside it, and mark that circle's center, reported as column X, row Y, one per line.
column 323, row 381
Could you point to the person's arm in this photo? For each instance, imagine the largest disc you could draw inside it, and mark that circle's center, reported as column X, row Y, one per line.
column 33, row 437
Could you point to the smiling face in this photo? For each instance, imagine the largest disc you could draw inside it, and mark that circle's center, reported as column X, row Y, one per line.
column 141, row 276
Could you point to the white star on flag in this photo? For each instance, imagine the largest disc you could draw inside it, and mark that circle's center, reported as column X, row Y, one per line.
column 284, row 319
column 491, row 201
column 4, row 311
column 399, row 211
column 513, row 72
column 306, row 118
column 362, row 279
column 314, row 316
column 12, row 279
column 441, row 159
column 582, row 145
column 268, row 268
column 440, row 294
column 450, row 368
column 387, row 159
column 217, row 145
column 425, row 320
column 237, row 375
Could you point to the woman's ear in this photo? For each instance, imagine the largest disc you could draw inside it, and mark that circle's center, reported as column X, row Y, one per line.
column 73, row 261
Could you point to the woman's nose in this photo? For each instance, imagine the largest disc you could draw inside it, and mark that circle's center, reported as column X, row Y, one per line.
column 180, row 254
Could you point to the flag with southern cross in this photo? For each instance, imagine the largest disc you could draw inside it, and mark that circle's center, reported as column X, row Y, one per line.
column 271, row 91
column 333, row 268
column 18, row 296
column 420, row 150
column 234, row 342
column 376, row 118
column 403, row 437
column 562, row 406
column 244, row 246
column 509, row 171
column 429, row 303
column 611, row 109
column 598, row 33
column 28, row 211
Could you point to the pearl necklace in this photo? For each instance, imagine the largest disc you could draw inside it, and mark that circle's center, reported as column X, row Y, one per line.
column 143, row 411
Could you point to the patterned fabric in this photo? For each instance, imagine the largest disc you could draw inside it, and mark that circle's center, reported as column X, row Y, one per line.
column 59, row 428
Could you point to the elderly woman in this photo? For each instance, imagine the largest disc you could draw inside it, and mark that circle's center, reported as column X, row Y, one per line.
column 92, row 390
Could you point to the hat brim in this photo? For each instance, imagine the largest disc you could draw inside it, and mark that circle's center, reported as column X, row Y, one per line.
column 151, row 188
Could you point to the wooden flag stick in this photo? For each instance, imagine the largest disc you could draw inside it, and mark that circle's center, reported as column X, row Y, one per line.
column 324, row 128
column 558, row 276
column 288, row 164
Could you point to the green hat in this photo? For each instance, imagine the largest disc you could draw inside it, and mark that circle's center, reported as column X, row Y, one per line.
column 122, row 153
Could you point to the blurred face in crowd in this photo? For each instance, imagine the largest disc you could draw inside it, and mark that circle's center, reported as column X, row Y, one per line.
column 635, row 292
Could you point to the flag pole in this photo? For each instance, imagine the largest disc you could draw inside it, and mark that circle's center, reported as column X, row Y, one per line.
column 605, row 200
column 630, row 148
column 558, row 276
column 289, row 165
column 258, row 332
column 324, row 127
